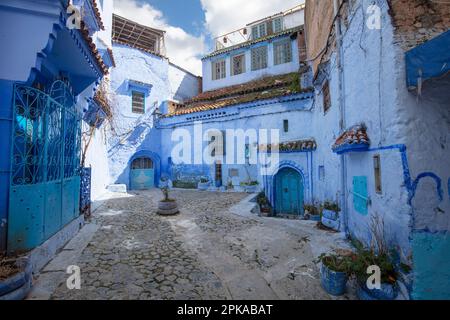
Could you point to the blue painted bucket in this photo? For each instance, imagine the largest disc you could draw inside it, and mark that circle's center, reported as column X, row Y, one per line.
column 387, row 292
column 333, row 282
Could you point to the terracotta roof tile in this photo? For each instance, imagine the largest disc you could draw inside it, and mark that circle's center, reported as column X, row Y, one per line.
column 98, row 15
column 261, row 89
column 90, row 42
column 291, row 146
column 356, row 136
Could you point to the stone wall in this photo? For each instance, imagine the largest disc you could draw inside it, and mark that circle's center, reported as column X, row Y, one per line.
column 416, row 21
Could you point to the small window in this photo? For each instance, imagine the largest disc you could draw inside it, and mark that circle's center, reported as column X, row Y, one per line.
column 286, row 126
column 277, row 24
column 321, row 173
column 237, row 64
column 259, row 58
column 218, row 70
column 138, row 102
column 326, row 97
column 282, row 52
column 377, row 170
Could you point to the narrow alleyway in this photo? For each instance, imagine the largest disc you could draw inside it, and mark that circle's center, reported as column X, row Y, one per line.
column 215, row 249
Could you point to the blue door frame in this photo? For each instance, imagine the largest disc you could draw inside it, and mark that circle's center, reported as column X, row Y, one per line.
column 45, row 157
column 289, row 192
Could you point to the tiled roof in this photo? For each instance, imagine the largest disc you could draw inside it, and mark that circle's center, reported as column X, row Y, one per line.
column 98, row 58
column 291, row 146
column 110, row 52
column 261, row 89
column 355, row 137
column 98, row 16
column 251, row 42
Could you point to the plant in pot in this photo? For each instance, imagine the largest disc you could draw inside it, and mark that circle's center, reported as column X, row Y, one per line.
column 15, row 278
column 334, row 272
column 251, row 186
column 164, row 181
column 378, row 255
column 312, row 212
column 361, row 261
column 330, row 215
column 203, row 184
column 265, row 208
column 167, row 206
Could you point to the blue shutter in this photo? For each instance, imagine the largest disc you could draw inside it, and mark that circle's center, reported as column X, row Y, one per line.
column 360, row 196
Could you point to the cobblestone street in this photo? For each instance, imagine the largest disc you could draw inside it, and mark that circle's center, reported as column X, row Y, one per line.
column 215, row 249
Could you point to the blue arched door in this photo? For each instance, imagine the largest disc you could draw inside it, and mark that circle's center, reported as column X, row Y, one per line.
column 142, row 174
column 289, row 192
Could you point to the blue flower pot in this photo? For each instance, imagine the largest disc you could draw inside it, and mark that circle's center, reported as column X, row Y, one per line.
column 331, row 219
column 17, row 286
column 333, row 282
column 387, row 292
column 203, row 185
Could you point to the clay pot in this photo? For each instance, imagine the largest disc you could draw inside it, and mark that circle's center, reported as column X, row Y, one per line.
column 168, row 208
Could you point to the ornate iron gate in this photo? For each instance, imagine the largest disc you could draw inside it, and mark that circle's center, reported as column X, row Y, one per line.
column 45, row 179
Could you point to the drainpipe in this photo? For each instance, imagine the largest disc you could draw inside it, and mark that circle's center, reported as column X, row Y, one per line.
column 342, row 122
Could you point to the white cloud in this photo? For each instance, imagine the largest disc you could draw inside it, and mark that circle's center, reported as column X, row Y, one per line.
column 183, row 48
column 222, row 16
column 226, row 16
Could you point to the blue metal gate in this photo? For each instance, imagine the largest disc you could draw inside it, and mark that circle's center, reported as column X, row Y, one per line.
column 45, row 180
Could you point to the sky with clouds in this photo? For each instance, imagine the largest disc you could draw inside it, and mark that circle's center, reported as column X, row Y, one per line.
column 190, row 25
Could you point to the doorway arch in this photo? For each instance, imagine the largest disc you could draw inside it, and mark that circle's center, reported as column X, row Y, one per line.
column 144, row 169
column 289, row 192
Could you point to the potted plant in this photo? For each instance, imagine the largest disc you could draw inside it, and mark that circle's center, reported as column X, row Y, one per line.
column 203, row 184
column 15, row 278
column 311, row 212
column 251, row 186
column 361, row 261
column 167, row 206
column 164, row 181
column 334, row 272
column 377, row 254
column 265, row 209
column 330, row 215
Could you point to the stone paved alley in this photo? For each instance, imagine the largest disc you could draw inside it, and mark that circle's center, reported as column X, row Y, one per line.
column 215, row 249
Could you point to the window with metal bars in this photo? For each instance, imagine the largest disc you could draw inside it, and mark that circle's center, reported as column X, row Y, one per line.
column 282, row 52
column 218, row 69
column 138, row 102
column 277, row 24
column 237, row 64
column 259, row 58
column 260, row 30
column 142, row 163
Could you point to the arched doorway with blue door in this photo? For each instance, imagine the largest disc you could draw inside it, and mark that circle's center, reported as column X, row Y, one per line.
column 289, row 192
column 144, row 170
